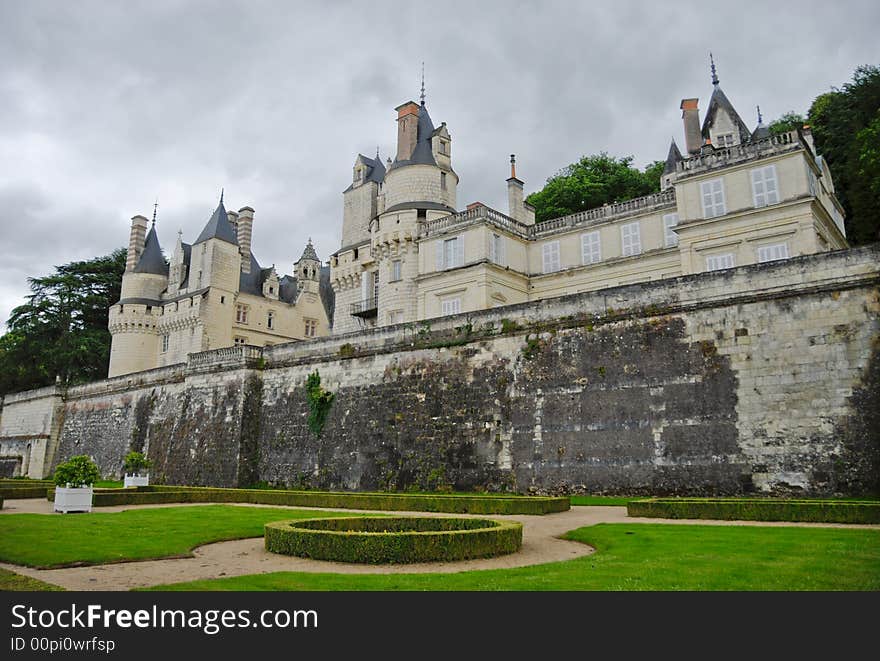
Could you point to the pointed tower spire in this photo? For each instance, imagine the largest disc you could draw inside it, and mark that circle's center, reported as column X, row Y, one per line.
column 714, row 74
column 422, row 95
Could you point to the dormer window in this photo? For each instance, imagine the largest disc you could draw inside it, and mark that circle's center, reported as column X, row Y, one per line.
column 724, row 140
column 358, row 174
column 443, row 148
column 271, row 290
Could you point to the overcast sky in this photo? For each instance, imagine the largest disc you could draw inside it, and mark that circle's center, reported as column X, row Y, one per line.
column 107, row 106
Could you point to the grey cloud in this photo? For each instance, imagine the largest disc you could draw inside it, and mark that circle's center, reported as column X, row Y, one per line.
column 108, row 105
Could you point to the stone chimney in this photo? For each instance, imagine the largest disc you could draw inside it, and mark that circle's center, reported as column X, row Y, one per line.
column 136, row 241
column 517, row 207
column 244, row 230
column 690, row 115
column 407, row 129
column 806, row 132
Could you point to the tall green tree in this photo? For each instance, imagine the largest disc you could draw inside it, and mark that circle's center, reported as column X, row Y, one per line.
column 790, row 121
column 846, row 129
column 62, row 329
column 591, row 182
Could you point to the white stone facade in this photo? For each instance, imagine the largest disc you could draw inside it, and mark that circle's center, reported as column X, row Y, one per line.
column 212, row 295
column 752, row 200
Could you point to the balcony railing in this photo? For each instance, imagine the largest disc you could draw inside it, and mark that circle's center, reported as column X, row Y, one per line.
column 365, row 309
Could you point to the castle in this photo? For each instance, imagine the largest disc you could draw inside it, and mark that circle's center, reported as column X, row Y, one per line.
column 213, row 294
column 735, row 197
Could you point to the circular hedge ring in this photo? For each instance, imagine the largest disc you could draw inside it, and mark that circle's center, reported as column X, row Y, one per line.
column 398, row 539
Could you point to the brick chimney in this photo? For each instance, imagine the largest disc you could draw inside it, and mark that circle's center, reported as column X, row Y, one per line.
column 136, row 241
column 407, row 129
column 690, row 115
column 245, row 228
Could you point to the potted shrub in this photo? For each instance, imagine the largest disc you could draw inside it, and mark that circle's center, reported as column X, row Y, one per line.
column 73, row 484
column 136, row 469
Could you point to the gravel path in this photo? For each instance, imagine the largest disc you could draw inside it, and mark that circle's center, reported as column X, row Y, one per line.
column 247, row 556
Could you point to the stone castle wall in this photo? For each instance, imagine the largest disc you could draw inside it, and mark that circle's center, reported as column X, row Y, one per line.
column 765, row 378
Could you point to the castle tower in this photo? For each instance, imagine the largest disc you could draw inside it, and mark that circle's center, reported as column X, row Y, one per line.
column 308, row 270
column 419, row 186
column 133, row 320
column 360, row 200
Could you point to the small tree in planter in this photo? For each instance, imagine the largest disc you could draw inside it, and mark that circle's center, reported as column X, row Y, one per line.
column 136, row 469
column 73, row 484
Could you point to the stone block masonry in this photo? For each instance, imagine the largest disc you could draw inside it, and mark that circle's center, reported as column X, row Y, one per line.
column 760, row 379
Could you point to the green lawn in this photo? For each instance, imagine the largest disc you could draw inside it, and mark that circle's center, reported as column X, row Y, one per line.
column 12, row 582
column 641, row 557
column 40, row 540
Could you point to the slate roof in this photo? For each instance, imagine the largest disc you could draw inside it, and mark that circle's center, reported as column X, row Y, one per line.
column 328, row 296
column 719, row 101
column 422, row 154
column 375, row 170
column 252, row 283
column 673, row 158
column 218, row 227
column 152, row 260
column 309, row 253
column 760, row 132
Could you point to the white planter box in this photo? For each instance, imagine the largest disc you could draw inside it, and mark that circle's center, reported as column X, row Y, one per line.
column 136, row 480
column 68, row 499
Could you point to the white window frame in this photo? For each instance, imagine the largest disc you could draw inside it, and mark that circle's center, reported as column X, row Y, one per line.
column 450, row 253
column 591, row 248
column 310, row 327
column 765, row 186
column 771, row 253
column 166, row 341
column 717, row 203
column 497, row 249
column 241, row 313
column 670, row 238
column 630, row 239
column 450, row 306
column 396, row 270
column 724, row 139
column 721, row 261
column 550, row 258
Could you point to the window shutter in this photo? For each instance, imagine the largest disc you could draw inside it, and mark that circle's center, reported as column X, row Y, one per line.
column 501, row 250
column 364, row 286
column 493, row 257
column 440, row 264
column 459, row 251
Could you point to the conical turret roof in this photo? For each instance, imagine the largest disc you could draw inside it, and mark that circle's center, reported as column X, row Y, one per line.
column 218, row 227
column 152, row 260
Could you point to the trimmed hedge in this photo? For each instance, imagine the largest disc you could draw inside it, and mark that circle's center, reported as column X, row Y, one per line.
column 758, row 509
column 26, row 491
column 156, row 494
column 374, row 540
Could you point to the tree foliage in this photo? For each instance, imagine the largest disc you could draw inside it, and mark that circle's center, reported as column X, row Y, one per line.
column 591, row 182
column 62, row 329
column 846, row 129
column 790, row 121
